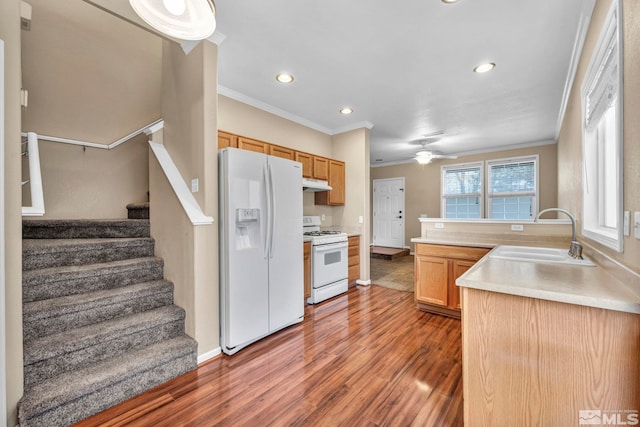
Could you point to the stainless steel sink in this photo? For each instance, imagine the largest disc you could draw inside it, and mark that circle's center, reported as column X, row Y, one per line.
column 540, row 255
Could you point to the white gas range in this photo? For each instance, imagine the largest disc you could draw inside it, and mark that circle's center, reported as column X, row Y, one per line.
column 329, row 260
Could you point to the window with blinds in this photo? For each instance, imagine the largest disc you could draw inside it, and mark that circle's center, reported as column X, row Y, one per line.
column 462, row 187
column 602, row 137
column 512, row 188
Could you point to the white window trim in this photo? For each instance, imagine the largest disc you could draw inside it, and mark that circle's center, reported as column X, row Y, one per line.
column 606, row 236
column 480, row 194
column 510, row 160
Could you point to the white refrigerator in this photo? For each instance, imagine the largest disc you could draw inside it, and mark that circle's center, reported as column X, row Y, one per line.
column 261, row 265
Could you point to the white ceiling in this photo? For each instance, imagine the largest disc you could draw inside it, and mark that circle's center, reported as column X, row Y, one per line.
column 405, row 67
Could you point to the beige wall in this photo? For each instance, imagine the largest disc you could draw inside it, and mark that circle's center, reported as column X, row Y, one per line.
column 353, row 149
column 10, row 33
column 422, row 182
column 570, row 140
column 189, row 105
column 243, row 119
column 91, row 77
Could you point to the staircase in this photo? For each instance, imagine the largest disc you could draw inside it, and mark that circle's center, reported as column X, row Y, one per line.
column 99, row 322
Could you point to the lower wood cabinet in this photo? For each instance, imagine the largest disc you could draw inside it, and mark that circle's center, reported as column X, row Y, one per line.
column 436, row 269
column 307, row 269
column 354, row 258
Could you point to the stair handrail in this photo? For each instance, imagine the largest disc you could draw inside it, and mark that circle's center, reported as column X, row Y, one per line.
column 35, row 178
column 146, row 130
column 179, row 186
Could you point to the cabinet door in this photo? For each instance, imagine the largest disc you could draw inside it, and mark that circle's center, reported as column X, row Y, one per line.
column 337, row 182
column 307, row 163
column 253, row 145
column 354, row 258
column 458, row 268
column 307, row 269
column 320, row 168
column 285, row 153
column 431, row 280
column 226, row 139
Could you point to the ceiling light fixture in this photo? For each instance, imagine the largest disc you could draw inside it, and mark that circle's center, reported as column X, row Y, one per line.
column 483, row 68
column 346, row 111
column 449, row 1
column 424, row 157
column 181, row 19
column 284, row 78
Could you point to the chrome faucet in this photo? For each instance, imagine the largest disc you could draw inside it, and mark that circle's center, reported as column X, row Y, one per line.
column 575, row 250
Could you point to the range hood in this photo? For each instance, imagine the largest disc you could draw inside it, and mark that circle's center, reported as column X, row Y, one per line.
column 313, row 185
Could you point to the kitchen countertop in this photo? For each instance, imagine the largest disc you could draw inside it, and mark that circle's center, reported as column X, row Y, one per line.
column 587, row 286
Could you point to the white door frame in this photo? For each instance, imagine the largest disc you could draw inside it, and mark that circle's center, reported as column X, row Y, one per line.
column 3, row 376
column 404, row 212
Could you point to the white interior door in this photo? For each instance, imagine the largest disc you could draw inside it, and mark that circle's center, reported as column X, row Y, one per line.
column 388, row 212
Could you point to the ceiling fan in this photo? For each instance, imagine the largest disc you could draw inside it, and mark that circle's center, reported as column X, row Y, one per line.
column 425, row 156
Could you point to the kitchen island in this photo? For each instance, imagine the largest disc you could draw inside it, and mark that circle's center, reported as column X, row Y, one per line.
column 543, row 343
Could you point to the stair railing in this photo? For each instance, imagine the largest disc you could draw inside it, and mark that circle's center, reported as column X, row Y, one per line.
column 35, row 177
column 146, row 130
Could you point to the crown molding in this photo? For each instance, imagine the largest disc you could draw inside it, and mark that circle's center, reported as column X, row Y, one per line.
column 240, row 97
column 472, row 152
column 583, row 27
column 354, row 126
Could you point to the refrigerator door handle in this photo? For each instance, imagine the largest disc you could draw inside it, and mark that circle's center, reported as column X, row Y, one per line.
column 273, row 212
column 267, row 217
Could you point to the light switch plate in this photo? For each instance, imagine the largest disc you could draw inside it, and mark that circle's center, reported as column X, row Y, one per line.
column 636, row 225
column 517, row 227
column 439, row 224
column 625, row 226
column 195, row 184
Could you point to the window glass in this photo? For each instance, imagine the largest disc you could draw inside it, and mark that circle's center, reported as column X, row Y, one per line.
column 512, row 188
column 462, row 191
column 602, row 137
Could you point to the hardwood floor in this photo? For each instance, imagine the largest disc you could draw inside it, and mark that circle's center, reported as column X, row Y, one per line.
column 366, row 358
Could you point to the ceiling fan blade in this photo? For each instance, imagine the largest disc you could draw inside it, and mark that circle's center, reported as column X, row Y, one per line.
column 443, row 156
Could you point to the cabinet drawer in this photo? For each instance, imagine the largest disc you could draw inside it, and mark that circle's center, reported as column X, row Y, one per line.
column 456, row 252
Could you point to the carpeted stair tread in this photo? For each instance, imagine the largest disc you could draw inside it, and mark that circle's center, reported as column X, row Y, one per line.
column 84, row 228
column 45, row 253
column 77, row 395
column 46, row 317
column 55, row 354
column 138, row 210
column 56, row 282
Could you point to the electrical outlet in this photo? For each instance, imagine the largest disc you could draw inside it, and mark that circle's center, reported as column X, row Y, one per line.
column 323, row 217
column 636, row 225
column 517, row 227
column 195, row 185
column 360, row 219
column 439, row 225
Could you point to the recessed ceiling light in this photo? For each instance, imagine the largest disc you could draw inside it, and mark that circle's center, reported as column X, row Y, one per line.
column 346, row 110
column 483, row 68
column 449, row 1
column 284, row 78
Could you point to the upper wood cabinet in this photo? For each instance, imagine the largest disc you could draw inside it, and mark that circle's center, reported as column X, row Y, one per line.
column 278, row 151
column 253, row 145
column 316, row 167
column 337, row 182
column 320, row 168
column 227, row 140
column 436, row 269
column 307, row 163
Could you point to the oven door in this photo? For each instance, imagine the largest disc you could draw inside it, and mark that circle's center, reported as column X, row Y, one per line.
column 329, row 263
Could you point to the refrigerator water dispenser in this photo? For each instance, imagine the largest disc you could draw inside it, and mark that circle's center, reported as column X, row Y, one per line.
column 248, row 228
